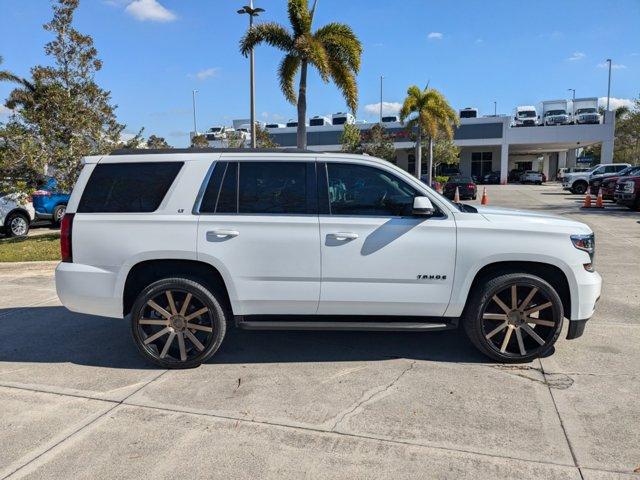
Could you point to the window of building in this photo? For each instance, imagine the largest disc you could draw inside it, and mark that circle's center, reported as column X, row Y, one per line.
column 481, row 163
column 128, row 187
column 361, row 190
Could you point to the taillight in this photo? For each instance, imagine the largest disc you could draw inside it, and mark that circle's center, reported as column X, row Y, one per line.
column 471, row 186
column 41, row 193
column 66, row 228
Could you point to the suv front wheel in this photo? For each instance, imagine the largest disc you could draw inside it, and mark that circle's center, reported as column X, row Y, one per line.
column 579, row 188
column 514, row 317
column 178, row 323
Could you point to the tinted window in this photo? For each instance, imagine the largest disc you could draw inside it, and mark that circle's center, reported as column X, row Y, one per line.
column 210, row 197
column 273, row 187
column 228, row 198
column 362, row 190
column 128, row 187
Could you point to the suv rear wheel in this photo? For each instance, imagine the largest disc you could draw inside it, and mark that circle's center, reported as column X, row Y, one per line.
column 514, row 317
column 178, row 323
column 16, row 225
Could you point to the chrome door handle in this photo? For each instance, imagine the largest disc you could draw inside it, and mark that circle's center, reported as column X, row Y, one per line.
column 217, row 234
column 344, row 235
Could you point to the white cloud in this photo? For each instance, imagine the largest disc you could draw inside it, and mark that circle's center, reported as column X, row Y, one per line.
column 4, row 111
column 150, row 10
column 204, row 74
column 616, row 103
column 576, row 56
column 614, row 66
column 435, row 36
column 388, row 108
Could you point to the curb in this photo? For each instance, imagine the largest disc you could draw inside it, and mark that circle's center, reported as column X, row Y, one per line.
column 26, row 266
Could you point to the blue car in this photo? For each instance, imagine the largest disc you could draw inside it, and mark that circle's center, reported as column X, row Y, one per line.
column 49, row 203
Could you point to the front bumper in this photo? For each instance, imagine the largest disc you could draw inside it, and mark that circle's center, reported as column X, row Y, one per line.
column 88, row 289
column 624, row 198
column 589, row 289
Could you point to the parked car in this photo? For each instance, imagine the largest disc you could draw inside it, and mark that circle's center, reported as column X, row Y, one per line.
column 578, row 182
column 16, row 215
column 466, row 187
column 50, row 204
column 563, row 171
column 514, row 175
column 628, row 192
column 186, row 243
column 608, row 183
column 492, row 178
column 531, row 176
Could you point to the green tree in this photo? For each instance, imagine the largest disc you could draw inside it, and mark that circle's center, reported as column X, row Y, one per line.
column 263, row 139
column 445, row 152
column 351, row 139
column 627, row 136
column 199, row 141
column 334, row 50
column 61, row 112
column 378, row 143
column 156, row 142
column 429, row 114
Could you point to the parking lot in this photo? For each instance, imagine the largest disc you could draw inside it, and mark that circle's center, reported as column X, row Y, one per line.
column 78, row 400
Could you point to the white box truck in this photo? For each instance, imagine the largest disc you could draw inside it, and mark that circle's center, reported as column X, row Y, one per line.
column 525, row 116
column 585, row 111
column 554, row 112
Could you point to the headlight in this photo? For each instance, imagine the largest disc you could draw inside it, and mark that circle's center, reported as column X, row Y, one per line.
column 586, row 243
column 629, row 187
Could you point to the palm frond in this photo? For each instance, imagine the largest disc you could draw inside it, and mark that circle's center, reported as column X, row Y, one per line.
column 299, row 17
column 341, row 44
column 270, row 33
column 311, row 50
column 287, row 73
column 345, row 80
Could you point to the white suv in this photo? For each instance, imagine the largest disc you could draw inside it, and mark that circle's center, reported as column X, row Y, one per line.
column 578, row 182
column 16, row 215
column 186, row 243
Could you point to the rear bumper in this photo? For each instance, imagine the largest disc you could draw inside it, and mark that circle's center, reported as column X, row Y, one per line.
column 87, row 289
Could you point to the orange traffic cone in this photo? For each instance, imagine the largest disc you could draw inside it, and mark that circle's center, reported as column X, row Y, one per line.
column 599, row 202
column 456, row 197
column 587, row 200
column 485, row 197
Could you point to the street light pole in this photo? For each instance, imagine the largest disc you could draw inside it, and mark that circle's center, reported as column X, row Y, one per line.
column 573, row 101
column 609, row 84
column 252, row 12
column 381, row 78
column 495, row 108
column 195, row 125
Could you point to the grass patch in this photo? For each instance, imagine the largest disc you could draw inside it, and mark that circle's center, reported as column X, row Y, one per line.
column 30, row 249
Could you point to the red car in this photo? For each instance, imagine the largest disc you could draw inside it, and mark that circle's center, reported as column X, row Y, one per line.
column 467, row 189
column 628, row 192
column 608, row 183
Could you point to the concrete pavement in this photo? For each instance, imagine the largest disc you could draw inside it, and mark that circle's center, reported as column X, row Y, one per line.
column 78, row 400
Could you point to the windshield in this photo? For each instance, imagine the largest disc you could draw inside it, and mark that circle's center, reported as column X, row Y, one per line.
column 215, row 129
column 555, row 112
column 629, row 171
column 585, row 110
column 527, row 114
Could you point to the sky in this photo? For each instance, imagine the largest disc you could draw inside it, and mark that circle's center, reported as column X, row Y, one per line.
column 156, row 52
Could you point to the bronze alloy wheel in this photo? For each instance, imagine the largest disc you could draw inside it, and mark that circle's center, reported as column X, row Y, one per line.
column 518, row 317
column 177, row 323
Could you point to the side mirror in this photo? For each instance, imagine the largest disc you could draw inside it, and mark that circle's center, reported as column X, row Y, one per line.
column 422, row 206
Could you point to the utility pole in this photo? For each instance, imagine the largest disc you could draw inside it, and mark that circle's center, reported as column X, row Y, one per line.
column 381, row 78
column 495, row 108
column 195, row 125
column 573, row 102
column 609, row 84
column 252, row 12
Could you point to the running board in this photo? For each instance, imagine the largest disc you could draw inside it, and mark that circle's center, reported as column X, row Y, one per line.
column 319, row 325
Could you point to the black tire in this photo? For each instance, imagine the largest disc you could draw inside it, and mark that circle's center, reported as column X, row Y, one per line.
column 579, row 188
column 474, row 196
column 490, row 334
column 16, row 225
column 58, row 213
column 175, row 348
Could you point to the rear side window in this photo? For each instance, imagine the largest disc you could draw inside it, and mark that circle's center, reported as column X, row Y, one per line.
column 273, row 187
column 128, row 187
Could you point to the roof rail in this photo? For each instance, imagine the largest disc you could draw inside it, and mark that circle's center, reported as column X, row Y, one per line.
column 159, row 151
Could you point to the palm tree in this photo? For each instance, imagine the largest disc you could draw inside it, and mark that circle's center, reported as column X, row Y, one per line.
column 334, row 50
column 7, row 76
column 434, row 117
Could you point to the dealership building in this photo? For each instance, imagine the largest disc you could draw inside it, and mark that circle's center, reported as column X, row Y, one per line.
column 486, row 144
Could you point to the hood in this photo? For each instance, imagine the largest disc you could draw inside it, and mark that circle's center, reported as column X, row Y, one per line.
column 535, row 220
